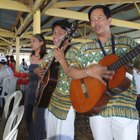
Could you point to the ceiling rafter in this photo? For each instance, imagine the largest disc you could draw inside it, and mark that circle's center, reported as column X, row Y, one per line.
column 7, row 34
column 137, row 7
column 19, row 15
column 89, row 3
column 29, row 17
column 50, row 4
column 13, row 5
column 83, row 16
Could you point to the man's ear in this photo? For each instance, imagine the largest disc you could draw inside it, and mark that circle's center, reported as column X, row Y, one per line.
column 110, row 20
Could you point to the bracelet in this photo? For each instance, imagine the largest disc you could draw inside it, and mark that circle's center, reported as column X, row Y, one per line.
column 87, row 72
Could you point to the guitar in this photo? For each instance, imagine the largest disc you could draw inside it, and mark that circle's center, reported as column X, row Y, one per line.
column 48, row 81
column 89, row 95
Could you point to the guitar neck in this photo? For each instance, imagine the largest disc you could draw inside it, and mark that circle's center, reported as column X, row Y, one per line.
column 125, row 59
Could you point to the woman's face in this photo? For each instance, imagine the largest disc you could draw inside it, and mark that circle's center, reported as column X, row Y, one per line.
column 35, row 44
column 58, row 34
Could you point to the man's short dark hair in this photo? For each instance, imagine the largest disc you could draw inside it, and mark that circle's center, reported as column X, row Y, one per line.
column 106, row 10
column 64, row 24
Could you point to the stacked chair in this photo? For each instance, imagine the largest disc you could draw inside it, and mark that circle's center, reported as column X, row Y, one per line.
column 8, row 87
column 11, row 117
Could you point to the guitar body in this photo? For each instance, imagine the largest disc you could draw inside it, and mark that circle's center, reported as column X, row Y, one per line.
column 93, row 97
column 47, row 87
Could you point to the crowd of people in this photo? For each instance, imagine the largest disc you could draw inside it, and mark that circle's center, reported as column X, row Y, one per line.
column 119, row 118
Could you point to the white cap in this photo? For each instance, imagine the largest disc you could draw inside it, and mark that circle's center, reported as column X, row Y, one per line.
column 3, row 59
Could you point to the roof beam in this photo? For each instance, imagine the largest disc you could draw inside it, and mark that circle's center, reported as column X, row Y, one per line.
column 29, row 17
column 4, row 30
column 13, row 5
column 90, row 2
column 75, row 40
column 84, row 17
column 81, row 40
column 51, row 3
column 3, row 43
column 6, row 34
column 42, row 31
column 6, row 40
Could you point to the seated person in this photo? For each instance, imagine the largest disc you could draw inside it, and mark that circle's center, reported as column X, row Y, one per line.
column 5, row 70
column 23, row 66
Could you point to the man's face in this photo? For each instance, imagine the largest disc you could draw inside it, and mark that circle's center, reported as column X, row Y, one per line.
column 99, row 22
column 58, row 34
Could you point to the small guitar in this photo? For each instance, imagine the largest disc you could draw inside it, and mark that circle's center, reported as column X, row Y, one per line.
column 48, row 81
column 89, row 95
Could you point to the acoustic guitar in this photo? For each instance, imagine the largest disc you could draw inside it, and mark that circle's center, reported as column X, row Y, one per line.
column 89, row 95
column 48, row 81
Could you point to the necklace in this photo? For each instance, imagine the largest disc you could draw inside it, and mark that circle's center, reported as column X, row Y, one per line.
column 36, row 57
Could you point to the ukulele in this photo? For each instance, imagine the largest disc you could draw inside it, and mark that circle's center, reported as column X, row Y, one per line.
column 89, row 95
column 48, row 81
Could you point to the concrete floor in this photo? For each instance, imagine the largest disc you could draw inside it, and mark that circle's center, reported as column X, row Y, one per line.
column 82, row 128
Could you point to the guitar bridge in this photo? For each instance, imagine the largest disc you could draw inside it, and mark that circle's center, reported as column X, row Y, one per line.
column 84, row 89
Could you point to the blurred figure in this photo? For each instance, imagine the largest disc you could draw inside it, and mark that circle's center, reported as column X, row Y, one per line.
column 7, row 57
column 5, row 70
column 23, row 66
column 12, row 63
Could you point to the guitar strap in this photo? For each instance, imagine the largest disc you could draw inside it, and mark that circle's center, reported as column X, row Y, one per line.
column 108, row 91
column 112, row 44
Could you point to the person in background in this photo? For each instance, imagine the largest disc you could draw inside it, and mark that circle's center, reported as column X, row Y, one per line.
column 7, row 57
column 36, row 128
column 5, row 70
column 23, row 66
column 60, row 113
column 12, row 63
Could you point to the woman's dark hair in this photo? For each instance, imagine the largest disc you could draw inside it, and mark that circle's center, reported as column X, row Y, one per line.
column 42, row 52
column 106, row 10
column 12, row 59
column 64, row 24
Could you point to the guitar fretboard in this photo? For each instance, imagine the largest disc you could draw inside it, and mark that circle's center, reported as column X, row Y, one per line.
column 125, row 59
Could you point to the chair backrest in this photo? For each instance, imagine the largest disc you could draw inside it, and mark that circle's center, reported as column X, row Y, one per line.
column 13, row 121
column 13, row 82
column 17, row 96
column 12, row 136
column 8, row 87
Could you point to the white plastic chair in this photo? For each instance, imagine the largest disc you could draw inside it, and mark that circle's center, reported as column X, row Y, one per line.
column 13, row 123
column 13, row 82
column 17, row 96
column 12, row 136
column 8, row 87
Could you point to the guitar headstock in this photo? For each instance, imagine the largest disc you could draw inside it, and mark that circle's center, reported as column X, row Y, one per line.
column 70, row 30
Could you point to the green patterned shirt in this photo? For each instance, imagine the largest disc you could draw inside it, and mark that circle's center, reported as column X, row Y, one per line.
column 121, row 105
column 60, row 101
